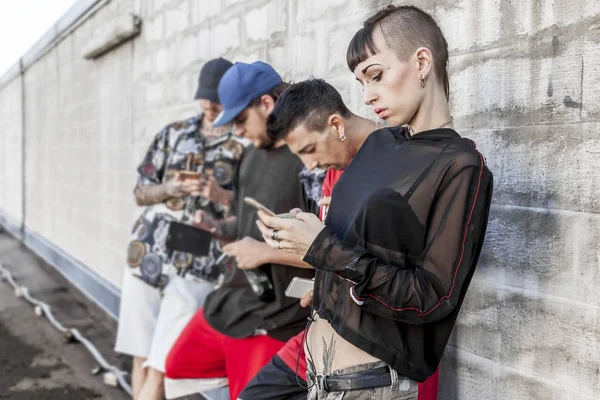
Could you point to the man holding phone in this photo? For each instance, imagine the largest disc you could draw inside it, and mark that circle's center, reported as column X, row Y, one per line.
column 237, row 332
column 320, row 129
column 189, row 166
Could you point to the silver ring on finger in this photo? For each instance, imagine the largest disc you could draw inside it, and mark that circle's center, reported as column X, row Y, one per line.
column 274, row 235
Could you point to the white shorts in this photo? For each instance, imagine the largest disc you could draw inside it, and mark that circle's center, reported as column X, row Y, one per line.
column 150, row 323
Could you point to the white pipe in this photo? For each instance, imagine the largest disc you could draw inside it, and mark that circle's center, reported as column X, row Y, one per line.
column 42, row 308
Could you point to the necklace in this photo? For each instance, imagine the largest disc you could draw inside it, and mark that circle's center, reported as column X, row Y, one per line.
column 412, row 132
column 446, row 123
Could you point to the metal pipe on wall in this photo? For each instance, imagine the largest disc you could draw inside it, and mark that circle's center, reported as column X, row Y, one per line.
column 23, row 150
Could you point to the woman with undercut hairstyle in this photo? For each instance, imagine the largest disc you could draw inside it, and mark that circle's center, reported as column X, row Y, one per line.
column 405, row 226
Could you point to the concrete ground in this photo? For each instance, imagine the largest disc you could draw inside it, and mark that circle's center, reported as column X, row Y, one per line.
column 35, row 360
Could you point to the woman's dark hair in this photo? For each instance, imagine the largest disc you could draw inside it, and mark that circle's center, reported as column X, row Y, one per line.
column 274, row 93
column 310, row 102
column 405, row 29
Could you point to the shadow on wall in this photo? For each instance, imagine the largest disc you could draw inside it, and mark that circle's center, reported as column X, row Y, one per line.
column 448, row 387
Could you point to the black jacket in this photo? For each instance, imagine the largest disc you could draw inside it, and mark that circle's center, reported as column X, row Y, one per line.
column 402, row 238
column 272, row 177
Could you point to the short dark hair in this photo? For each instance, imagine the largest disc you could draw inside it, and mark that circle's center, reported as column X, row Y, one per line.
column 405, row 29
column 310, row 102
column 274, row 93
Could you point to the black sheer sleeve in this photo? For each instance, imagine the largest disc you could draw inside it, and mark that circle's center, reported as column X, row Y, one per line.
column 419, row 289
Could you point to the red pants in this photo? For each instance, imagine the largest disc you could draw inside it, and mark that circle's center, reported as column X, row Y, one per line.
column 428, row 390
column 201, row 352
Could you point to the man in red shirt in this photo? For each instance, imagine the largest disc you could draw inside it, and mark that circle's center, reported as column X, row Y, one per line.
column 314, row 106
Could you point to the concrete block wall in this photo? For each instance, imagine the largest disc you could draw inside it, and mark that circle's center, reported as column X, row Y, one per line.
column 524, row 86
column 524, row 82
column 11, row 151
column 79, row 174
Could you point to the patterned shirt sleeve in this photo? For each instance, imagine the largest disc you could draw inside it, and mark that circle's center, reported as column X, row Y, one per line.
column 152, row 169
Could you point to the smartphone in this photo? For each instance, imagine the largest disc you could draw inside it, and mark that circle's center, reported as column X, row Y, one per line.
column 299, row 287
column 251, row 202
column 188, row 239
column 185, row 175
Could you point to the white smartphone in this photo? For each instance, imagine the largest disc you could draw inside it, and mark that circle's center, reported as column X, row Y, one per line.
column 251, row 202
column 298, row 287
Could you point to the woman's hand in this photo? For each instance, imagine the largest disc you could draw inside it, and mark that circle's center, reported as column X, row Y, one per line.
column 294, row 235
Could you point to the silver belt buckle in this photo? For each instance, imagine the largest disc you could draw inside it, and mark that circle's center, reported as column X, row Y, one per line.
column 395, row 385
column 319, row 382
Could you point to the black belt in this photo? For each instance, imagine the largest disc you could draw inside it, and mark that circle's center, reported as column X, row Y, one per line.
column 373, row 378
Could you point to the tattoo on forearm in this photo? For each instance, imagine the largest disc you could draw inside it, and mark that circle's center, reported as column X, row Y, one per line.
column 147, row 195
column 328, row 355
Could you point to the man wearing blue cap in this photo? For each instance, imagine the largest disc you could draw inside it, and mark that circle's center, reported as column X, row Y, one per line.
column 241, row 328
column 189, row 167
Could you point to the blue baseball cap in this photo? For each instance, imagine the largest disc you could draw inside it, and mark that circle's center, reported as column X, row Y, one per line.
column 241, row 84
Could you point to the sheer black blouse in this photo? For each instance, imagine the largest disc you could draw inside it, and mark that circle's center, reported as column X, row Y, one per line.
column 402, row 238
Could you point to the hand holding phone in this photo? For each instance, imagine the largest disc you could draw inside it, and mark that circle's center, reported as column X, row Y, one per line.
column 307, row 299
column 184, row 182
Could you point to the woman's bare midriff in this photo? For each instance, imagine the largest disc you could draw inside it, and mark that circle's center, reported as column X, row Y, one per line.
column 330, row 351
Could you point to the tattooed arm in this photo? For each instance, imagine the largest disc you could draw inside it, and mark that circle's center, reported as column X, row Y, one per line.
column 146, row 195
